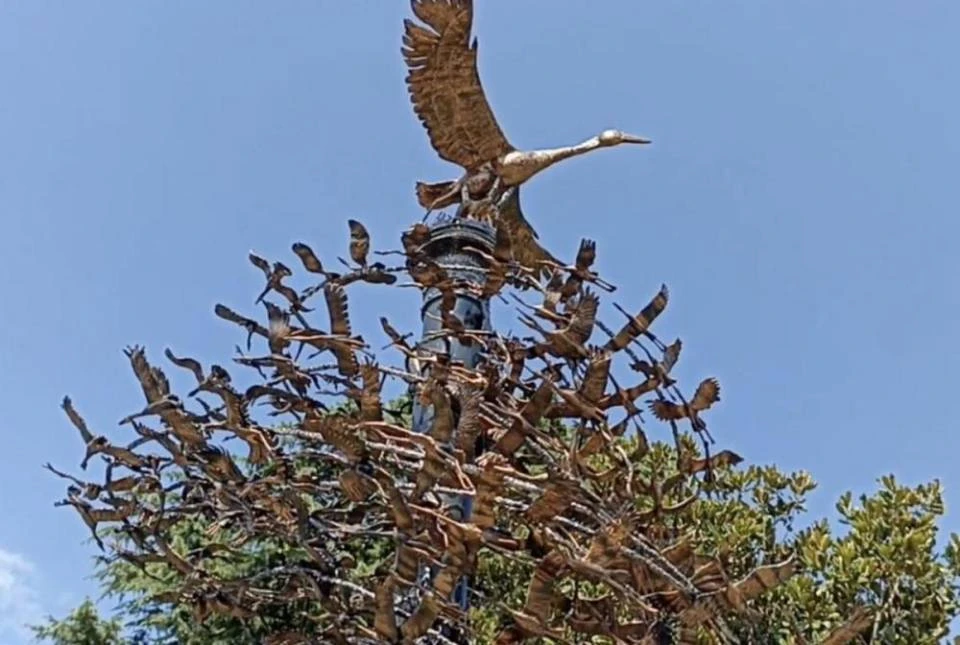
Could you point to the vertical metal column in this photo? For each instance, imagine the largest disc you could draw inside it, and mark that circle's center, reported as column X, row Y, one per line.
column 448, row 248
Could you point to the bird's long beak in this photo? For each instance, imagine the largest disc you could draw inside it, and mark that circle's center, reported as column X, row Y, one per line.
column 632, row 138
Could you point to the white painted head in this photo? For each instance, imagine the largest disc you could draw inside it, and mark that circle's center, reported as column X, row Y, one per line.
column 616, row 137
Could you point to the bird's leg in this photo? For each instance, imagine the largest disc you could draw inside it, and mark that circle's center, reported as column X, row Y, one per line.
column 494, row 193
column 603, row 284
column 493, row 199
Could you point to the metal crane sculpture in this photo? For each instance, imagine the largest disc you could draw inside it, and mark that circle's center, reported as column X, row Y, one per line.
column 504, row 457
column 449, row 100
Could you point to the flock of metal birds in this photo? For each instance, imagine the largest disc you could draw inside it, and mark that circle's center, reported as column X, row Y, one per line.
column 529, row 434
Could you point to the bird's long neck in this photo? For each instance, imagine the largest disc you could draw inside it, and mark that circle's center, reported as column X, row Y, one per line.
column 518, row 166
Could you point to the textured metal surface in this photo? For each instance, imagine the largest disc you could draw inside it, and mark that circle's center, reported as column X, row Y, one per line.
column 449, row 100
column 449, row 246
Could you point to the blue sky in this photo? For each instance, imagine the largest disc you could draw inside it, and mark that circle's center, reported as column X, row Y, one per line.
column 797, row 201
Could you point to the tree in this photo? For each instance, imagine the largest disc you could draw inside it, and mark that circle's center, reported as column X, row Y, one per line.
column 82, row 626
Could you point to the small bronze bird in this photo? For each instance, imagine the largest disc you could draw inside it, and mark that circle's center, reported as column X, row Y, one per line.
column 396, row 338
column 469, row 424
column 557, row 496
column 660, row 371
column 414, row 239
column 275, row 276
column 359, row 242
column 639, row 324
column 357, row 486
column 218, row 464
column 569, row 341
column 448, row 319
column 580, row 272
column 719, row 460
column 585, row 401
column 444, row 419
column 708, row 393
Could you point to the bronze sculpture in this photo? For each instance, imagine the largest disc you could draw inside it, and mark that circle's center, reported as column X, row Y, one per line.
column 449, row 100
column 555, row 490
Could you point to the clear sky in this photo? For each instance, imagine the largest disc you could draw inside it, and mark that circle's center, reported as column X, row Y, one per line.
column 797, row 201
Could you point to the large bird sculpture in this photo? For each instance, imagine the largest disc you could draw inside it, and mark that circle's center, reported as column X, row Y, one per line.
column 449, row 100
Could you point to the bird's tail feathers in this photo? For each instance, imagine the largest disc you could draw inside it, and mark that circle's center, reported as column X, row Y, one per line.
column 438, row 195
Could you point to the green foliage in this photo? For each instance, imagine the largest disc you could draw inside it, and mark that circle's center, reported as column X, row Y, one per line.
column 884, row 556
column 82, row 626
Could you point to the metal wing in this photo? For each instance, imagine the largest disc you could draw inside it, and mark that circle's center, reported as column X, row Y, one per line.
column 859, row 621
column 667, row 411
column 153, row 381
column 336, row 299
column 186, row 363
column 523, row 239
column 586, row 255
column 541, row 596
column 310, row 260
column 385, row 619
column 584, row 318
column 759, row 580
column 598, row 373
column 77, row 420
column 708, row 393
column 445, row 87
column 371, row 406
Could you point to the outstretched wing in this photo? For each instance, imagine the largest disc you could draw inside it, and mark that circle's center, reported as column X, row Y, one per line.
column 444, row 84
column 77, row 420
column 310, row 260
column 598, row 373
column 585, row 317
column 708, row 393
column 523, row 239
column 336, row 298
column 586, row 255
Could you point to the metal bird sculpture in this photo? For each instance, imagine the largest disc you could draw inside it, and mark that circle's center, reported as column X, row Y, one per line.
column 534, row 433
column 449, row 100
column 335, row 479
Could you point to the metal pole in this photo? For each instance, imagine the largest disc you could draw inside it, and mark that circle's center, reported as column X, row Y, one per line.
column 448, row 247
